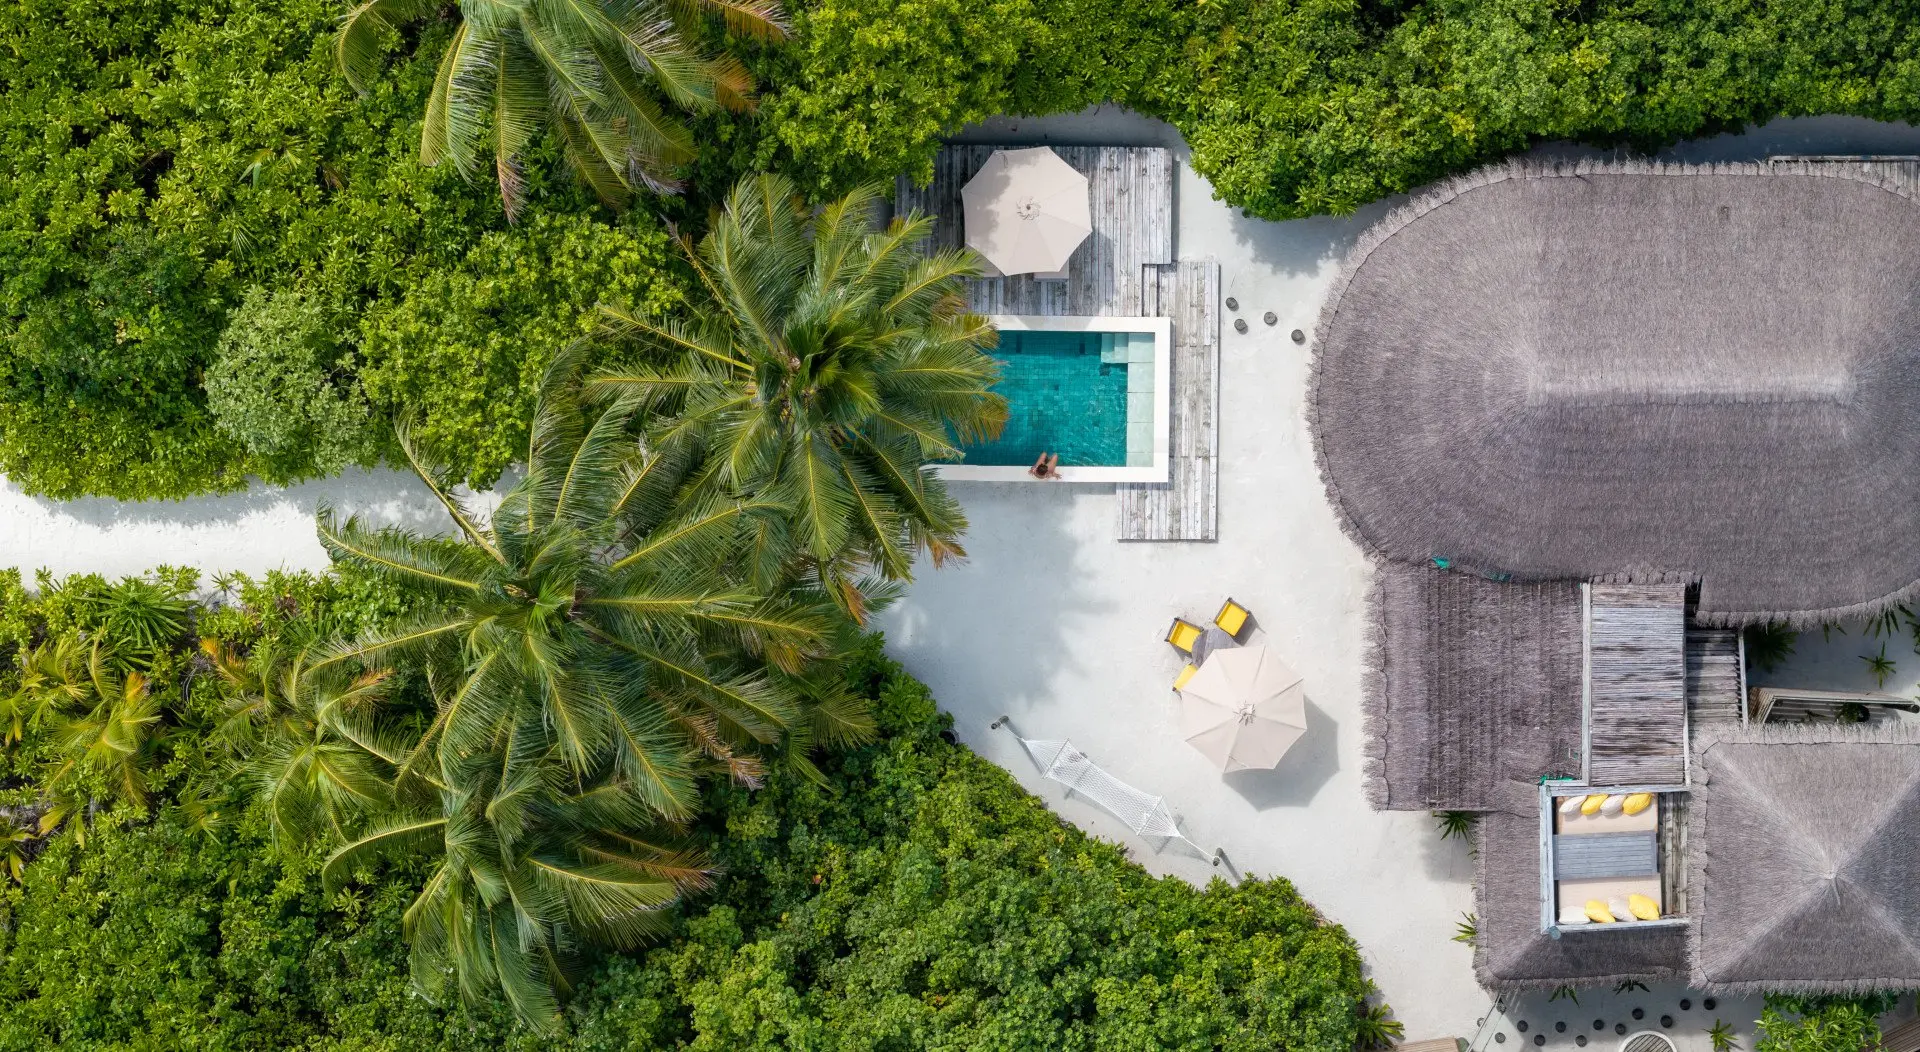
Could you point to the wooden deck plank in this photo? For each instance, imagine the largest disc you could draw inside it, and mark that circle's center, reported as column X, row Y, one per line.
column 1713, row 675
column 1636, row 685
column 1186, row 507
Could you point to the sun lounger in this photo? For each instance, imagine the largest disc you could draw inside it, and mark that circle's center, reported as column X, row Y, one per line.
column 1183, row 634
column 1185, row 675
column 1232, row 619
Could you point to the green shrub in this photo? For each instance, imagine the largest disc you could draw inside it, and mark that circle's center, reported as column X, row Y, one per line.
column 465, row 346
column 278, row 387
column 1821, row 1024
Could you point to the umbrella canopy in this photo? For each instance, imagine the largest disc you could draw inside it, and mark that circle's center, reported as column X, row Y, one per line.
column 1244, row 708
column 1026, row 211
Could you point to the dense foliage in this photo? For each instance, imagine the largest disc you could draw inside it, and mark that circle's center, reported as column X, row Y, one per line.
column 1299, row 107
column 1822, row 1024
column 217, row 259
column 906, row 894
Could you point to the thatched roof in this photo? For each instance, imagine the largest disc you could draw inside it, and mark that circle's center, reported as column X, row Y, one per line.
column 1805, row 843
column 1611, row 370
column 1473, row 689
column 1512, row 953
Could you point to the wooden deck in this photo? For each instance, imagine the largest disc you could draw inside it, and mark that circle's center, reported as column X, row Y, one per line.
column 1186, row 507
column 1715, row 681
column 1124, row 268
column 1636, row 685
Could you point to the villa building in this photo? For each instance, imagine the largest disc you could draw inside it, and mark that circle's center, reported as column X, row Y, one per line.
column 1590, row 421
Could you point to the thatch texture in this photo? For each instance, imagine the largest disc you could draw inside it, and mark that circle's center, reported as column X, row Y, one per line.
column 1805, row 843
column 1512, row 953
column 1473, row 689
column 1617, row 370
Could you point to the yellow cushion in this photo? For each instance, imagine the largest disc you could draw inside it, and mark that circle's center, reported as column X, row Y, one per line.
column 1233, row 618
column 1185, row 675
column 1593, row 804
column 1598, row 913
column 1183, row 636
column 1636, row 803
column 1643, row 907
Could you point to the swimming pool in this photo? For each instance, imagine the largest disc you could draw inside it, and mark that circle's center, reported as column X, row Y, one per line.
column 1092, row 390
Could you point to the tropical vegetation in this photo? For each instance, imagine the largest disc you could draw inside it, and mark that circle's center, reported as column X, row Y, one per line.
column 219, row 259
column 900, row 892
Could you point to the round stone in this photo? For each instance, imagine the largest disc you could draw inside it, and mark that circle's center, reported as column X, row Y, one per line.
column 1666, row 1021
column 1620, row 1028
column 1539, row 1039
column 1232, row 304
column 1599, row 1024
column 1639, row 1013
column 1299, row 336
column 1685, row 1003
column 1500, row 1039
column 1708, row 1004
column 1560, row 1028
column 1239, row 325
column 1270, row 318
column 1580, row 1039
column 1521, row 1026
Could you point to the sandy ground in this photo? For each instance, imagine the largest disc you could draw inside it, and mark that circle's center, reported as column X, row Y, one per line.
column 1058, row 625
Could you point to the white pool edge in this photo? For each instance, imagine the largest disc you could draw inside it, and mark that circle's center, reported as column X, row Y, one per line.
column 1162, row 329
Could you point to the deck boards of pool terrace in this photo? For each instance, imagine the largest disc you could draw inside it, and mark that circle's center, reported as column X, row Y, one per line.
column 1636, row 684
column 1124, row 268
column 1185, row 508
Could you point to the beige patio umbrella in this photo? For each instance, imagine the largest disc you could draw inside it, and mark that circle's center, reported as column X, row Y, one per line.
column 1026, row 211
column 1244, row 708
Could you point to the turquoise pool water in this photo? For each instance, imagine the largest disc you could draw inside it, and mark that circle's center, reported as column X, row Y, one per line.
column 1067, row 393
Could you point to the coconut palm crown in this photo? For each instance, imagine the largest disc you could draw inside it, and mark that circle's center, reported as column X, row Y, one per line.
column 593, row 655
column 823, row 364
column 592, row 71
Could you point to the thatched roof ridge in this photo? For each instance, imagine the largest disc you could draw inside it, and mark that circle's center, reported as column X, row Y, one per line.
column 1846, row 401
column 1804, row 841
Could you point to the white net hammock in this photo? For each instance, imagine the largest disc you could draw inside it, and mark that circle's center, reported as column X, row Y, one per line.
column 1146, row 815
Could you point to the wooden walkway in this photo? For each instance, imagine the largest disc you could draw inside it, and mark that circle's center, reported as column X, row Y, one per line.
column 1636, row 685
column 1186, row 507
column 1124, row 268
column 1715, row 691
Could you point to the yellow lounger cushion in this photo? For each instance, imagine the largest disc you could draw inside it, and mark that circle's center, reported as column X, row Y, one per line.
column 1185, row 675
column 1183, row 635
column 1643, row 907
column 1232, row 618
column 1593, row 804
column 1598, row 913
column 1636, row 803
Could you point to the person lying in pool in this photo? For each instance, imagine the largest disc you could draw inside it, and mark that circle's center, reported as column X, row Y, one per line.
column 1047, row 467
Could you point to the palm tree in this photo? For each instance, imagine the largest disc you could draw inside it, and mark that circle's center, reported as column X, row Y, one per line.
column 594, row 653
column 824, row 364
column 527, row 867
column 313, row 749
column 593, row 71
column 103, row 720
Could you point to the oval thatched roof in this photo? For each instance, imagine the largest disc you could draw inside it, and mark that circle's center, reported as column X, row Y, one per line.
column 1613, row 370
